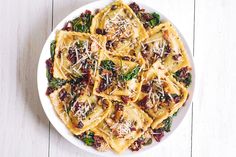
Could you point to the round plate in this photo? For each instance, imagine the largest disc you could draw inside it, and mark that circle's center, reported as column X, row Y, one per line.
column 43, row 83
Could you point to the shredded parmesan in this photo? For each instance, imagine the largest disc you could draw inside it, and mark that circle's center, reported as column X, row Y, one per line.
column 152, row 41
column 122, row 128
column 83, row 109
column 95, row 41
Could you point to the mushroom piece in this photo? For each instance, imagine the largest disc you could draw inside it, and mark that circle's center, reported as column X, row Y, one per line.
column 118, row 115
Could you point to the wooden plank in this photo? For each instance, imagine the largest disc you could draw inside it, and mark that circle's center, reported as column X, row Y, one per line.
column 25, row 26
column 214, row 106
column 179, row 143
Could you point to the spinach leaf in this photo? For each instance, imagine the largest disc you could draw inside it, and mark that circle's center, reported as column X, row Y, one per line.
column 89, row 141
column 52, row 48
column 186, row 78
column 108, row 64
column 87, row 137
column 55, row 82
column 79, row 27
column 82, row 23
column 91, row 133
column 131, row 74
column 167, row 122
column 155, row 20
column 48, row 74
column 187, row 81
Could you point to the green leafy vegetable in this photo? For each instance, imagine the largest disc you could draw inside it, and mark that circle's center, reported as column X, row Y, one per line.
column 131, row 74
column 187, row 79
column 167, row 122
column 91, row 133
column 55, row 83
column 108, row 64
column 82, row 23
column 48, row 74
column 52, row 48
column 89, row 141
column 155, row 20
column 88, row 138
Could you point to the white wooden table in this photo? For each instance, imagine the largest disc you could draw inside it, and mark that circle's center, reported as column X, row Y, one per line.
column 208, row 130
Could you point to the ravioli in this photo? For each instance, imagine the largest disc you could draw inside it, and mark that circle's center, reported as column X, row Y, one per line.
column 122, row 28
column 124, row 124
column 76, row 54
column 118, row 78
column 79, row 112
column 164, row 45
column 161, row 96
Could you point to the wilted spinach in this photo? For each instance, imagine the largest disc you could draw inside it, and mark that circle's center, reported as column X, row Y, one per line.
column 167, row 122
column 184, row 76
column 131, row 74
column 87, row 138
column 52, row 49
column 82, row 23
column 108, row 64
column 55, row 82
column 155, row 20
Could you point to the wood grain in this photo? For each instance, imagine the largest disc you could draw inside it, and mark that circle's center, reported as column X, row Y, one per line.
column 215, row 104
column 25, row 25
column 181, row 13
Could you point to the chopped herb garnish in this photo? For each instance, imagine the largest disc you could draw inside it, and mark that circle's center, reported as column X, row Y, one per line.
column 131, row 74
column 167, row 122
column 155, row 20
column 108, row 64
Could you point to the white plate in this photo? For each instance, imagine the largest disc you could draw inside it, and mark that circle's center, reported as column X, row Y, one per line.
column 43, row 83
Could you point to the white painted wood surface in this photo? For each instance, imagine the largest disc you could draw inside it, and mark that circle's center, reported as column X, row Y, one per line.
column 207, row 130
column 25, row 26
column 214, row 130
